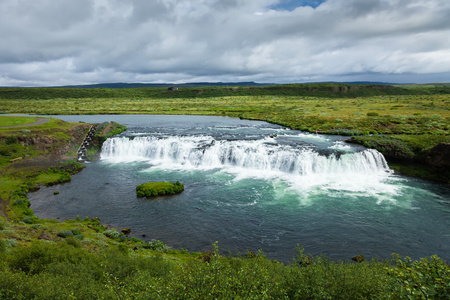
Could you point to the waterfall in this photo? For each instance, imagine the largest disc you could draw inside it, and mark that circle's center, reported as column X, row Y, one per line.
column 204, row 152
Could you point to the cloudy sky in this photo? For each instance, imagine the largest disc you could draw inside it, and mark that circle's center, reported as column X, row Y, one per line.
column 64, row 42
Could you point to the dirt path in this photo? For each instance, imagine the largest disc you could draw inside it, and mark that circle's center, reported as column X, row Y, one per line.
column 40, row 121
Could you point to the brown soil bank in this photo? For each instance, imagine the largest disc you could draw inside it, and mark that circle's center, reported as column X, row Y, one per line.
column 439, row 156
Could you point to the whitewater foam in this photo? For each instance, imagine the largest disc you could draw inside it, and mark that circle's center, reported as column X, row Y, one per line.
column 263, row 155
column 302, row 169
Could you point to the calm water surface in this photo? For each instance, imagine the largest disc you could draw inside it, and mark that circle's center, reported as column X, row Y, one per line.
column 252, row 185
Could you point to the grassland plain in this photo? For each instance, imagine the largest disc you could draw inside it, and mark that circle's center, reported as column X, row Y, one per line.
column 76, row 259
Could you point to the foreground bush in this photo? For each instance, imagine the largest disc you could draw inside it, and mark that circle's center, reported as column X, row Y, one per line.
column 67, row 271
column 428, row 278
column 153, row 189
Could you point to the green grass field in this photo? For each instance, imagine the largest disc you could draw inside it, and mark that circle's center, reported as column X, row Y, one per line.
column 15, row 121
column 342, row 113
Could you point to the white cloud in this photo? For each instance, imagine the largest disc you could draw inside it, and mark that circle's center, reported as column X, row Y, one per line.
column 59, row 42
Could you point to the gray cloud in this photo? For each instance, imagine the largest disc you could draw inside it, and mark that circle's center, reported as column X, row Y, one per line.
column 59, row 42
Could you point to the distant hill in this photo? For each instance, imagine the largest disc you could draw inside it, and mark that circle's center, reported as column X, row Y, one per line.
column 220, row 89
column 121, row 85
column 124, row 85
column 362, row 82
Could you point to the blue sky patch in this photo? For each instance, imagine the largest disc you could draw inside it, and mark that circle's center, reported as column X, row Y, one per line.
column 293, row 4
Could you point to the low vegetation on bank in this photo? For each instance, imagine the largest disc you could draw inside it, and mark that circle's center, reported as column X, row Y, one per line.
column 84, row 262
column 154, row 189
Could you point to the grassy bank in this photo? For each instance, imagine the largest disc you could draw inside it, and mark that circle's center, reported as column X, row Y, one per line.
column 41, row 155
column 81, row 259
column 33, row 156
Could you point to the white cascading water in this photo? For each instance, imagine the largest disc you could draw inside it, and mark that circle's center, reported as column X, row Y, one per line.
column 204, row 152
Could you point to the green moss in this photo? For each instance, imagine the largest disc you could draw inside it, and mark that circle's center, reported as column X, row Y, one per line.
column 153, row 189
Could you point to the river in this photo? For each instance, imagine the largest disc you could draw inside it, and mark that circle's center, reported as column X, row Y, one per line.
column 252, row 185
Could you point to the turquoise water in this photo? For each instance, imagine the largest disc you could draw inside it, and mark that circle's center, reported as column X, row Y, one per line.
column 253, row 185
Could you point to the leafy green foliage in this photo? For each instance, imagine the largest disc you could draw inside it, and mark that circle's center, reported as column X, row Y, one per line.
column 10, row 243
column 30, row 219
column 2, row 223
column 111, row 233
column 156, row 245
column 153, row 189
column 65, row 233
column 428, row 278
column 3, row 246
column 65, row 270
column 75, row 232
column 319, row 278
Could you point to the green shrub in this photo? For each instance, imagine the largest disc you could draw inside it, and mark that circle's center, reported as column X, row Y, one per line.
column 37, row 257
column 75, row 232
column 65, row 233
column 153, row 189
column 72, row 241
column 3, row 246
column 156, row 245
column 29, row 219
column 372, row 114
column 2, row 223
column 20, row 202
column 5, row 152
column 319, row 278
column 135, row 240
column 65, row 271
column 111, row 233
column 428, row 278
column 10, row 140
column 11, row 243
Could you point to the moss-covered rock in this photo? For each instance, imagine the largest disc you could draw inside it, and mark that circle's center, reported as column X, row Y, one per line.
column 154, row 189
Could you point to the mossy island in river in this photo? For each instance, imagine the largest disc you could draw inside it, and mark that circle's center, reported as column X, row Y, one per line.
column 154, row 189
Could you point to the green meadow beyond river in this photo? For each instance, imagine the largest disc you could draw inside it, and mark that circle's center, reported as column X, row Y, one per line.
column 251, row 185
